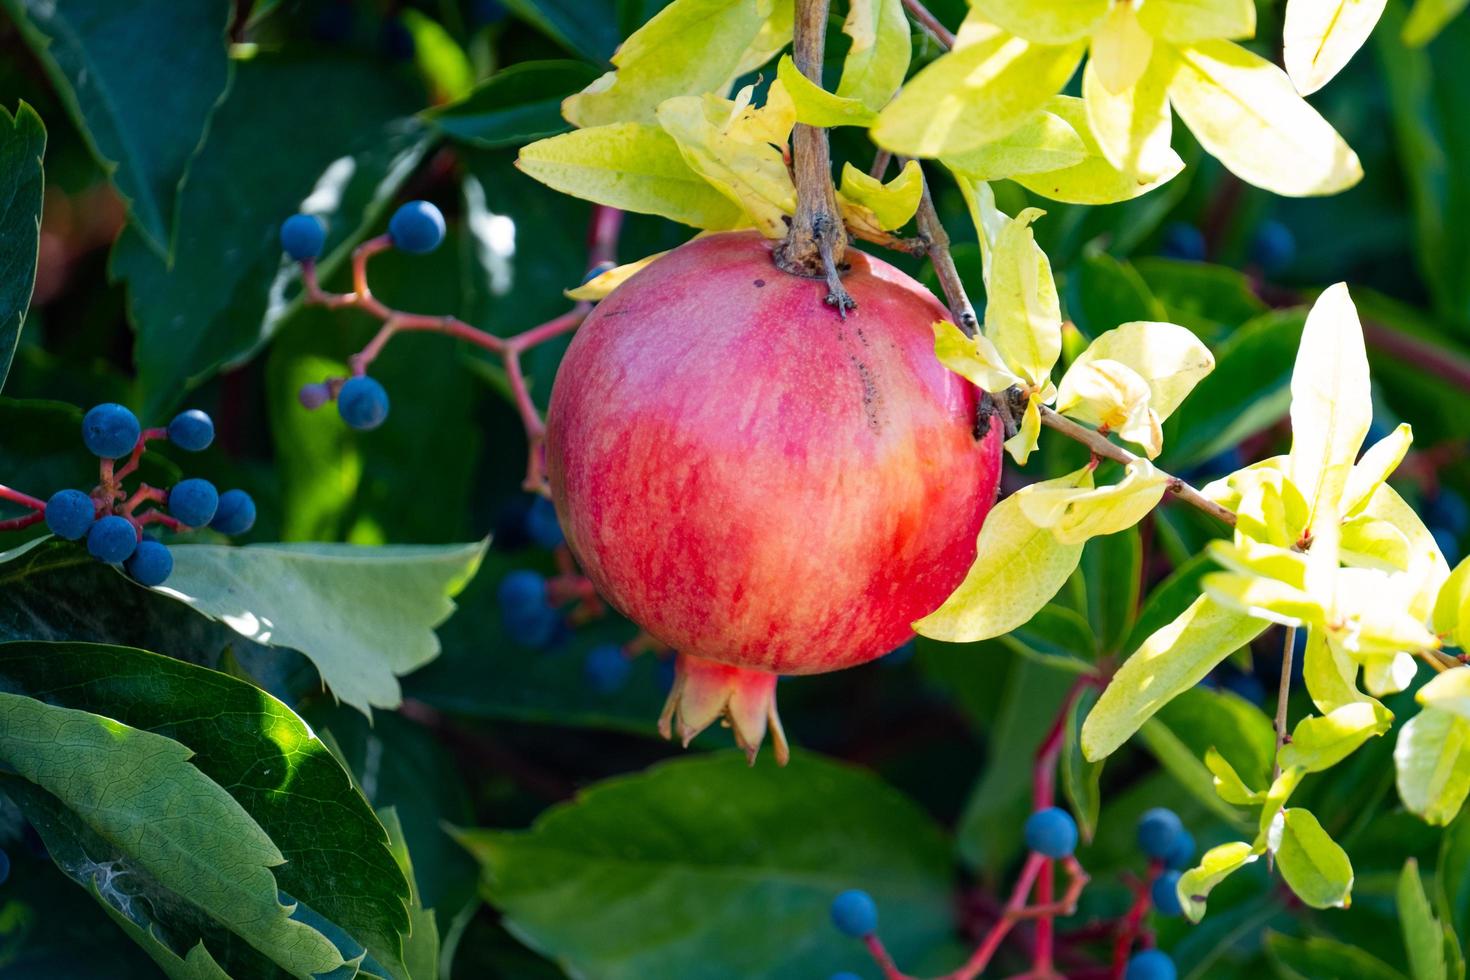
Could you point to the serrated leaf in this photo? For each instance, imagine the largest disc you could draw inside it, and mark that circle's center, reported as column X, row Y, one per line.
column 89, row 49
column 633, row 166
column 1424, row 938
column 262, row 754
column 363, row 615
column 1093, row 180
column 1315, row 867
column 746, row 861
column 1321, row 36
column 22, row 145
column 815, row 106
column 1018, row 568
column 1245, row 112
column 514, row 106
column 975, row 94
column 138, row 791
column 1217, row 864
column 691, row 47
column 878, row 57
column 1170, row 661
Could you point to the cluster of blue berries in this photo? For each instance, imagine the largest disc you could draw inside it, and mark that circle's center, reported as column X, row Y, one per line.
column 1161, row 836
column 110, row 431
column 1272, row 244
column 417, row 228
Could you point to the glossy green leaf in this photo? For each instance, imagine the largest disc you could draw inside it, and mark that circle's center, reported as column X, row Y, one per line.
column 1319, row 743
column 591, row 33
column 1312, row 863
column 1080, row 778
column 514, row 106
column 22, row 145
column 229, row 287
column 1424, row 938
column 141, row 117
column 1432, row 761
column 644, row 875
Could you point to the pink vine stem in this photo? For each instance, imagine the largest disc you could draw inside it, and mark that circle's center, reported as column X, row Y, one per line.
column 602, row 240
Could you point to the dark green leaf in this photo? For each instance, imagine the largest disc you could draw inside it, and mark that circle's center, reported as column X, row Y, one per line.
column 707, row 867
column 587, row 29
column 516, row 105
column 338, row 860
column 1208, row 299
column 1079, row 777
column 1424, row 938
column 339, row 153
column 1170, row 598
column 140, row 81
column 22, row 144
column 1103, row 292
column 1112, row 567
column 1319, row 958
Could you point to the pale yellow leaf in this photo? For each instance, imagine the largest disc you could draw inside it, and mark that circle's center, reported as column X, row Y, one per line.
column 1121, row 50
column 1375, row 466
column 1112, row 396
column 1245, row 112
column 1432, row 763
column 601, row 285
column 1187, row 21
column 1133, row 125
column 691, row 47
column 1173, row 659
column 1321, row 36
column 1331, row 675
column 1018, row 568
column 869, row 203
column 815, row 106
column 1331, row 402
column 1094, row 180
column 878, row 57
column 1045, row 21
column 972, row 358
column 1452, row 606
column 1264, row 598
column 1370, row 542
column 1024, row 442
column 1427, row 569
column 1079, row 512
column 632, row 166
column 1023, row 316
column 974, row 95
column 1045, row 142
column 1217, row 864
column 1449, row 691
column 1169, row 358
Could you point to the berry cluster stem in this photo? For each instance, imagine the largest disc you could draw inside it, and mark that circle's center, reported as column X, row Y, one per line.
column 1132, row 924
column 605, row 226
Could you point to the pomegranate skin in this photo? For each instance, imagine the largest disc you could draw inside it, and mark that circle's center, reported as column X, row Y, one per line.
column 756, row 481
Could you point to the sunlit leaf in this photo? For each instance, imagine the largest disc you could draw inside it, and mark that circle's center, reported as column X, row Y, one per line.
column 1452, row 606
column 1023, row 316
column 601, row 285
column 1045, row 21
column 1319, row 743
column 815, row 106
column 1093, row 180
column 1075, row 510
column 878, row 57
column 1018, row 568
column 1133, row 124
column 868, row 203
column 1228, row 784
column 1245, row 112
column 1315, row 867
column 1186, row 21
column 1428, row 17
column 1321, row 36
column 1217, row 864
column 1044, row 143
column 1432, row 762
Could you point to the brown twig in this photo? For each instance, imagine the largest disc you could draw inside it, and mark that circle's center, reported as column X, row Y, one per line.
column 816, row 243
column 931, row 25
column 1283, row 692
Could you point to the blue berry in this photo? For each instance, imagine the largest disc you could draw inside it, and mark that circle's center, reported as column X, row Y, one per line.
column 235, row 513
column 1152, row 964
column 521, row 590
column 112, row 539
column 525, row 609
column 151, row 564
column 1273, row 246
column 1183, row 241
column 194, row 502
column 607, row 668
column 1158, row 829
column 4, row 867
column 535, row 628
column 416, row 227
column 313, row 396
column 598, row 270
column 1051, row 832
column 542, row 525
column 854, row 914
column 1181, row 854
column 302, row 236
column 362, row 403
column 191, row 431
column 110, row 431
column 845, row 975
column 1165, row 894
column 69, row 513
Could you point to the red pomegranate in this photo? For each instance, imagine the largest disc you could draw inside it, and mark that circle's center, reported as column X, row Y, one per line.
column 760, row 484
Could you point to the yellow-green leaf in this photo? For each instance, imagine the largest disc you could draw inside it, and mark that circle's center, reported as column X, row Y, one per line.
column 1045, row 21
column 1023, row 316
column 1321, row 36
column 1186, row 21
column 878, row 58
column 1133, row 125
column 973, row 358
column 1311, row 862
column 601, row 285
column 1375, row 467
column 1428, row 17
column 1319, row 743
column 1448, row 691
column 815, row 106
column 1228, row 784
column 1111, row 395
column 691, row 47
column 1217, row 864
column 1331, row 401
column 1094, row 180
column 868, row 202
column 1331, row 675
column 1432, row 764
column 1175, row 658
column 1369, row 542
column 1428, row 569
column 1018, row 568
column 1245, row 111
column 632, row 166
column 974, row 95
column 1121, row 50
column 1452, row 606
column 734, row 146
column 1043, row 143
column 1076, row 511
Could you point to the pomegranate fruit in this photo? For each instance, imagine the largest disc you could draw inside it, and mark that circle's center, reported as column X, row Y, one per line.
column 762, row 485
